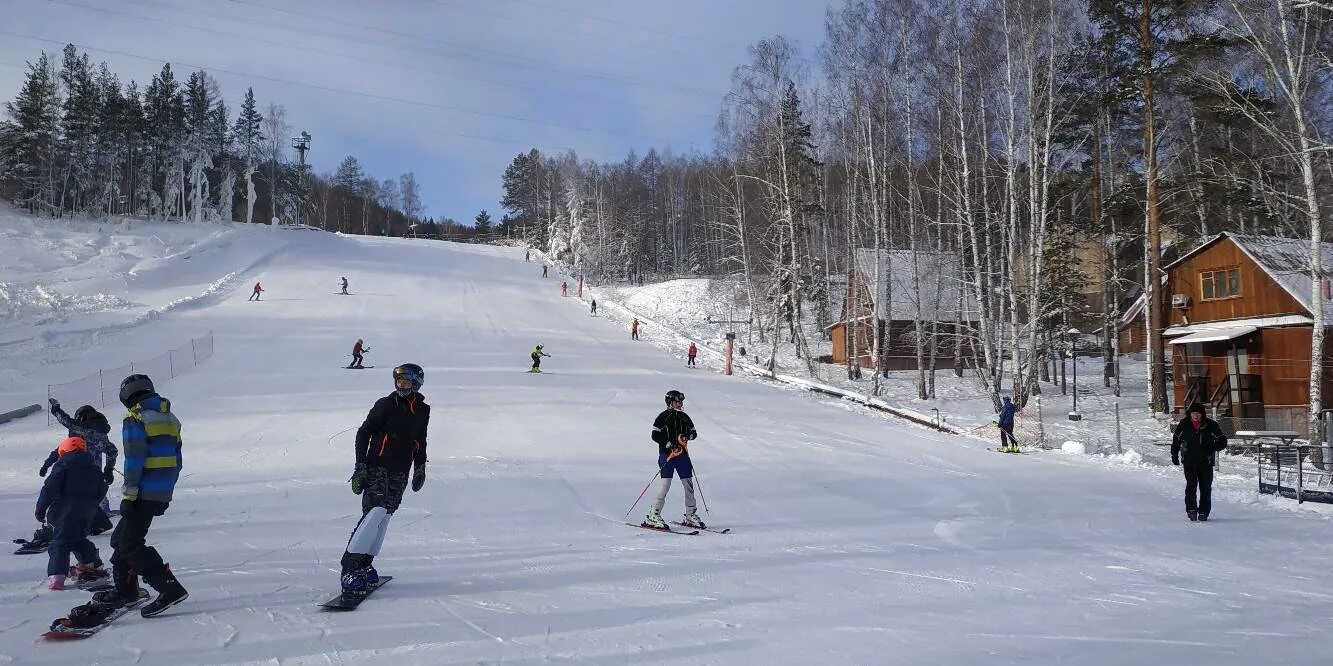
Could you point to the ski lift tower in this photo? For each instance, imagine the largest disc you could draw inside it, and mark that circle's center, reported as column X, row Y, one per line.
column 302, row 145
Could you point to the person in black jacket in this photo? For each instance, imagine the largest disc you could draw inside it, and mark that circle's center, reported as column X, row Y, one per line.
column 389, row 444
column 672, row 430
column 1197, row 439
column 91, row 426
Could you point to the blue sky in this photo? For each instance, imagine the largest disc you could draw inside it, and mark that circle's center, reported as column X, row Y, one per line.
column 449, row 89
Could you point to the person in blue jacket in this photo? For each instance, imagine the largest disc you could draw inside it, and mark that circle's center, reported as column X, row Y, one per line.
column 151, row 435
column 69, row 499
column 1008, row 443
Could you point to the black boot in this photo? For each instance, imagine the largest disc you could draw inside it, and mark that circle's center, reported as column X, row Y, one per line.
column 126, row 588
column 169, row 593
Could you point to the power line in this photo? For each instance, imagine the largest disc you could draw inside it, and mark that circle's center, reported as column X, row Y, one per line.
column 340, row 54
column 523, row 61
column 386, row 98
column 625, row 24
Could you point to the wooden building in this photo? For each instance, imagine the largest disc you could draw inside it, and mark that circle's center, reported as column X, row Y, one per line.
column 1238, row 328
column 930, row 284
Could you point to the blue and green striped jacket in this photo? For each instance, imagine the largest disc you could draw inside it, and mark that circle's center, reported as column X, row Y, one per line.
column 151, row 439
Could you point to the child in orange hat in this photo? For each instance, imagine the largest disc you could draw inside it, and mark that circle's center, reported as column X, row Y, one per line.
column 70, row 498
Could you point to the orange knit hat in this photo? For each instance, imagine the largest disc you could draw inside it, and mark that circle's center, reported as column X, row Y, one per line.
column 71, row 444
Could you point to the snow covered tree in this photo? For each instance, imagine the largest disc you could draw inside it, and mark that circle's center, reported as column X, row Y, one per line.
column 481, row 224
column 248, row 137
column 32, row 137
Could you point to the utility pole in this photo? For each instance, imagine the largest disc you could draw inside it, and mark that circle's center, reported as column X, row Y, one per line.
column 302, row 144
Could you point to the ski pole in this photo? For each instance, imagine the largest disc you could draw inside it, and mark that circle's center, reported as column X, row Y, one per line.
column 700, row 487
column 645, row 491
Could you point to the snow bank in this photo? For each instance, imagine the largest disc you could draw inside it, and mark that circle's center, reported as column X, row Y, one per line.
column 1074, row 447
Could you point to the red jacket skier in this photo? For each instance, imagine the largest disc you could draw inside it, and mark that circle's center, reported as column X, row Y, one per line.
column 254, row 296
column 693, row 351
column 357, row 350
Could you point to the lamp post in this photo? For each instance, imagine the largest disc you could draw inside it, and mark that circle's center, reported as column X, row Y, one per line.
column 1073, row 355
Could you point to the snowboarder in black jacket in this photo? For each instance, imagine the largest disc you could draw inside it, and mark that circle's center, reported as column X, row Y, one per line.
column 673, row 430
column 389, row 444
column 1197, row 440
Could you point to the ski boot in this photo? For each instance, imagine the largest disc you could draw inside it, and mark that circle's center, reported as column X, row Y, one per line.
column 89, row 573
column 169, row 593
column 654, row 520
column 56, row 582
column 371, row 577
column 691, row 519
column 1193, row 515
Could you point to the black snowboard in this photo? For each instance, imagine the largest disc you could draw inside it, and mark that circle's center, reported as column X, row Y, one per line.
column 30, row 547
column 59, row 631
column 348, row 601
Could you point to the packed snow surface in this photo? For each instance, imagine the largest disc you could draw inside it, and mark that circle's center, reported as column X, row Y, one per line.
column 856, row 539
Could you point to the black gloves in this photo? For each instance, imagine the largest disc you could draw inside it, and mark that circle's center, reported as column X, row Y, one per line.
column 358, row 478
column 109, row 476
column 54, row 405
column 1175, row 460
column 418, row 476
column 45, row 468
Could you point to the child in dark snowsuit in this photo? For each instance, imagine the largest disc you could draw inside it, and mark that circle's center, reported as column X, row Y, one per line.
column 69, row 499
column 92, row 427
column 1008, row 443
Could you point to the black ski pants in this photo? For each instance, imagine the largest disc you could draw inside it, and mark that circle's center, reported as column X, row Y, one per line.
column 1199, row 475
column 131, row 556
column 356, row 360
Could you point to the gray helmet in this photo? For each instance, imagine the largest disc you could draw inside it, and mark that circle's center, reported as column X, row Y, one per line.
column 135, row 388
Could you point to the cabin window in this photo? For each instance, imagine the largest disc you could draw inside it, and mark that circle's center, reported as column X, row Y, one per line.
column 1221, row 283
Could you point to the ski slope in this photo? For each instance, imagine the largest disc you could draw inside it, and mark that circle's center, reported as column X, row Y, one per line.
column 856, row 539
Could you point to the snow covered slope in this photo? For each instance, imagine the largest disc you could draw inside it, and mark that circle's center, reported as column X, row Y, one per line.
column 857, row 540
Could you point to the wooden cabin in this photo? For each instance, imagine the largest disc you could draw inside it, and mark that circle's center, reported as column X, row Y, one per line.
column 1238, row 328
column 929, row 283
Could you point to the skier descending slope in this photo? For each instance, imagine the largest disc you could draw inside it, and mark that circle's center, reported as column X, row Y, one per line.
column 390, row 442
column 672, row 430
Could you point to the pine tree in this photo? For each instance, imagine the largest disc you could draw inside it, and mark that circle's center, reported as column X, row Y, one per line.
column 32, row 142
column 248, row 137
column 348, row 180
column 481, row 223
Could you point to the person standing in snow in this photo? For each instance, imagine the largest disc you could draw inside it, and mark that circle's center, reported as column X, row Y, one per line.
column 92, row 427
column 1196, row 441
column 390, row 443
column 69, row 499
column 634, row 329
column 1008, row 443
column 594, row 307
column 357, row 350
column 537, row 355
column 544, row 269
column 151, row 436
column 564, row 288
column 344, row 286
column 673, row 430
column 690, row 354
column 254, row 295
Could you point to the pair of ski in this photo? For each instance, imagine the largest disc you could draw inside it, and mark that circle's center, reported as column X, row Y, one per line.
column 688, row 531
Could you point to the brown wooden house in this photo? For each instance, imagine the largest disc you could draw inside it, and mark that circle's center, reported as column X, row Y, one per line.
column 930, row 284
column 1238, row 328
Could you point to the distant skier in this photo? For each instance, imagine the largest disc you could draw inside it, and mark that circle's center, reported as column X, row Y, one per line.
column 254, row 295
column 390, row 443
column 92, row 427
column 344, row 285
column 673, row 430
column 544, row 269
column 564, row 288
column 1008, row 443
column 151, row 435
column 634, row 329
column 1197, row 439
column 690, row 354
column 537, row 355
column 594, row 307
column 69, row 499
column 358, row 350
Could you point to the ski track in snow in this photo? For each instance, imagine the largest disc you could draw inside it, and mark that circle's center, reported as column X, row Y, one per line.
column 857, row 538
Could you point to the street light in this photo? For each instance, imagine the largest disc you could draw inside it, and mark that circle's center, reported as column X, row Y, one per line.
column 1073, row 355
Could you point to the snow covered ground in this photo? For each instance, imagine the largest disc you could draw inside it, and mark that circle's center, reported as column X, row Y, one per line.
column 857, row 539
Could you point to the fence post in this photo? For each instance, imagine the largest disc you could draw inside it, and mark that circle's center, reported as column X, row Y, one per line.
column 101, row 388
column 194, row 353
column 1300, row 477
column 171, row 364
column 48, row 402
column 1117, row 427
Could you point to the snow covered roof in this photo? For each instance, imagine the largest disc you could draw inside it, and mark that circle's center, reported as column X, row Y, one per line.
column 941, row 283
column 1286, row 260
column 1256, row 322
